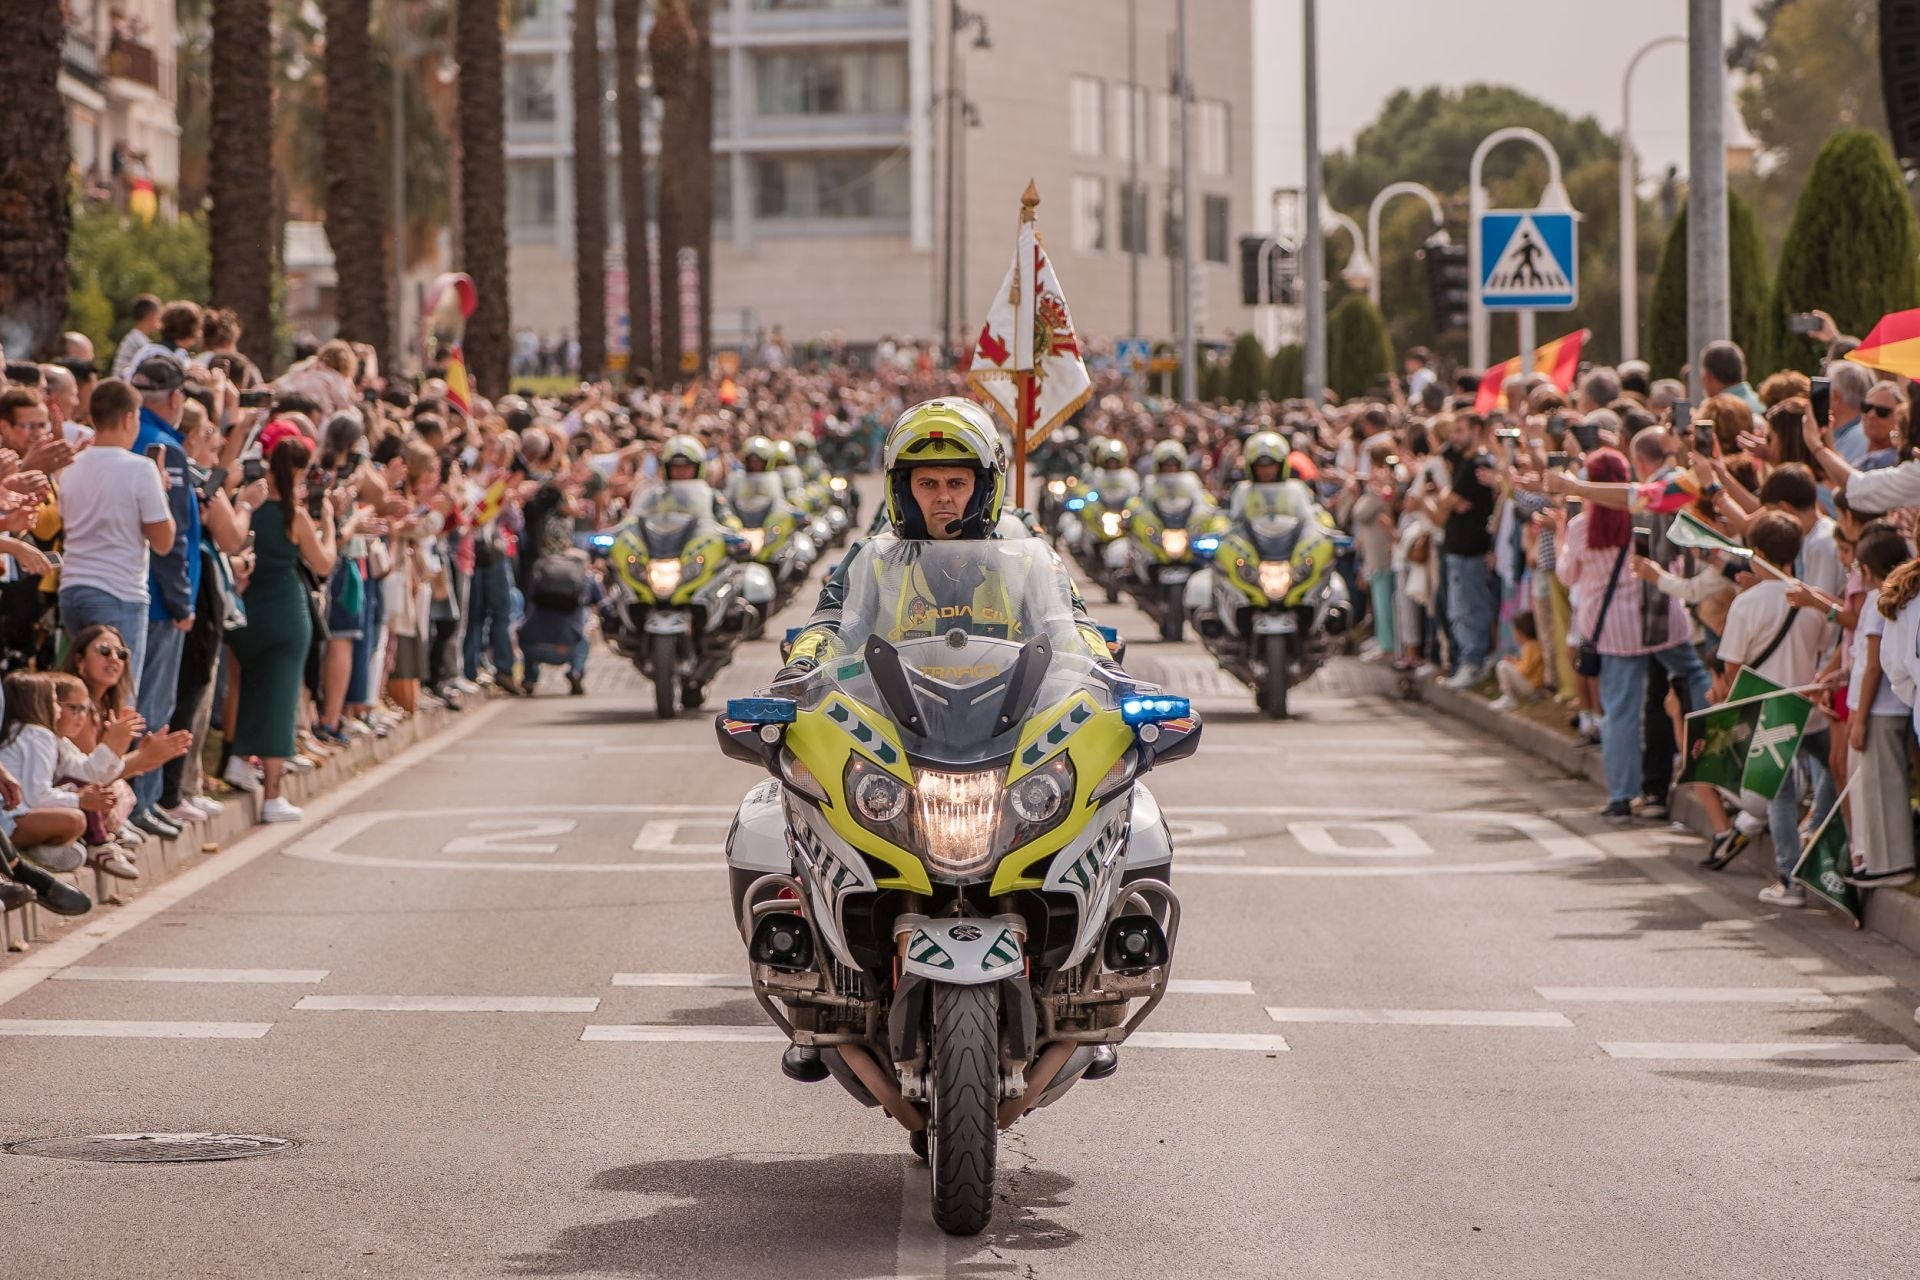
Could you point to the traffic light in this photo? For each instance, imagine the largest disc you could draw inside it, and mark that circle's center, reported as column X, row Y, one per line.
column 1448, row 284
column 1283, row 274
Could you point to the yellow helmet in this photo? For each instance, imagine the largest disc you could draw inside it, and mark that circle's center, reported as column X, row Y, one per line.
column 762, row 448
column 684, row 449
column 948, row 432
column 1265, row 446
column 1170, row 451
column 1106, row 449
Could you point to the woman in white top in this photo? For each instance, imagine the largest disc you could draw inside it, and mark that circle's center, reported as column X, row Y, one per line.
column 50, row 821
column 1881, row 711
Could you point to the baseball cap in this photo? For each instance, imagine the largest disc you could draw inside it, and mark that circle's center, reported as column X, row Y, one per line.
column 159, row 374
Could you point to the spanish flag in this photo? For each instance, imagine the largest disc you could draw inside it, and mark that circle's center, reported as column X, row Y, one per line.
column 142, row 200
column 1559, row 360
column 459, row 386
column 1893, row 346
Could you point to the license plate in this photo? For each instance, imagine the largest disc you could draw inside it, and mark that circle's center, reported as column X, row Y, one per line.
column 1268, row 624
column 1173, row 577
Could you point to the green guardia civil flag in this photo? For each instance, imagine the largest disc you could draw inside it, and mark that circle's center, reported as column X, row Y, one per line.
column 1688, row 530
column 1776, row 733
column 1717, row 742
column 1824, row 861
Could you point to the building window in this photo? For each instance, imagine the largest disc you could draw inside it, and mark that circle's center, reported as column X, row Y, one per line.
column 1218, row 213
column 1170, row 223
column 1087, row 102
column 1212, row 141
column 1124, row 132
column 531, row 195
column 832, row 82
column 530, row 90
column 1133, row 219
column 1166, row 129
column 1089, row 214
column 868, row 184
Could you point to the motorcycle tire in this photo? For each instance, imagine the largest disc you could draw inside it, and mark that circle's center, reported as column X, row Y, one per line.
column 1273, row 686
column 1173, row 615
column 692, row 696
column 917, row 1141
column 666, row 657
column 963, row 1131
column 1112, row 584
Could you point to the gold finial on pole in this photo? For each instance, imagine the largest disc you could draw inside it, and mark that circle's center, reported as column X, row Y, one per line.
column 1029, row 202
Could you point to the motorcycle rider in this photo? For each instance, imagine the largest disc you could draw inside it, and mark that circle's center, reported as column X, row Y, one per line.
column 1268, row 462
column 757, row 455
column 683, row 466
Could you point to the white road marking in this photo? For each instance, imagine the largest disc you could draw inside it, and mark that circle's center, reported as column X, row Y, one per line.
column 662, row 835
column 1205, row 1040
column 135, row 1030
column 921, row 1250
column 21, row 977
column 1685, row 995
column 107, row 973
column 510, row 835
column 1392, row 840
column 645, row 1034
column 451, row 1004
column 729, row 980
column 325, row 844
column 1424, row 1017
column 1806, row 1051
column 1208, row 987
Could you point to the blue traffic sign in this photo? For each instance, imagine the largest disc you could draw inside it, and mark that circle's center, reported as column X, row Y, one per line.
column 1529, row 260
column 1133, row 354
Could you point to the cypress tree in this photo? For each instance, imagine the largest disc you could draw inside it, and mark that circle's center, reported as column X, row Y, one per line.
column 1746, row 279
column 1246, row 370
column 1286, row 373
column 1357, row 348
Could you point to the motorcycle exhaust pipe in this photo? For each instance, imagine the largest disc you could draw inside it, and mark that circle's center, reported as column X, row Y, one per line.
column 882, row 1086
column 1045, row 1068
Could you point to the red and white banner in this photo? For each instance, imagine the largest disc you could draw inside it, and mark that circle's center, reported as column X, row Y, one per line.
column 1030, row 332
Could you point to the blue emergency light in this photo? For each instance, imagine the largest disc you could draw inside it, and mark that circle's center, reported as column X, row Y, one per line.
column 762, row 710
column 1074, row 504
column 1154, row 708
column 1207, row 545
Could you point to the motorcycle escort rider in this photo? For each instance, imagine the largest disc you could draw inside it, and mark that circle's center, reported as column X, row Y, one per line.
column 945, row 478
column 683, row 470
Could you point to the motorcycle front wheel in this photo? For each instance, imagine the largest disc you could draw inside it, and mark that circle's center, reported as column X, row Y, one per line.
column 963, row 1132
column 1173, row 614
column 1273, row 686
column 666, row 658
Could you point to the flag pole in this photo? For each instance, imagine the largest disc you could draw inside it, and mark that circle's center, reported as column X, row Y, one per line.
column 1023, row 378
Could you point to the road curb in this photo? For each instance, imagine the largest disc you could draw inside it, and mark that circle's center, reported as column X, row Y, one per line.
column 1892, row 914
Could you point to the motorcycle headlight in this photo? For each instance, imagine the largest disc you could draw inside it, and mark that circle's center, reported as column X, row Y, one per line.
column 1276, row 578
column 1056, row 487
column 879, row 797
column 663, row 576
column 1110, row 523
column 1037, row 797
column 1036, row 804
column 955, row 817
column 1175, row 542
column 756, row 539
column 839, row 484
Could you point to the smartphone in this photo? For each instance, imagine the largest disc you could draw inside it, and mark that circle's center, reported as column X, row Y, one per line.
column 260, row 399
column 1682, row 412
column 1643, row 542
column 1587, row 435
column 212, row 482
column 252, row 469
column 1820, row 396
column 1573, row 507
column 158, row 454
column 1557, row 461
column 1804, row 324
column 1509, row 434
column 1557, row 426
column 53, row 559
column 1703, row 438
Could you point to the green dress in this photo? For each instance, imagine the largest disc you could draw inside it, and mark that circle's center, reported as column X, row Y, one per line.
column 272, row 647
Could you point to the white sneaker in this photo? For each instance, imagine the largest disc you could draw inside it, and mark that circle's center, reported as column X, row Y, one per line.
column 1749, row 824
column 184, row 813
column 1465, row 678
column 357, row 728
column 280, row 809
column 207, row 805
column 241, row 775
column 130, row 835
column 1426, row 671
column 300, row 764
column 465, row 685
column 1505, row 702
column 1784, row 895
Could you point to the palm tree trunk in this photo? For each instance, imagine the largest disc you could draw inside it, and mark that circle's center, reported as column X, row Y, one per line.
column 35, row 154
column 682, row 54
column 478, row 45
column 701, row 229
column 589, row 192
column 356, row 223
column 240, row 176
column 633, row 187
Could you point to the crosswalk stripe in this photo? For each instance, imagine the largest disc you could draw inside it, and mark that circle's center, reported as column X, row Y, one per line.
column 1685, row 995
column 1424, row 1017
column 732, row 980
column 1208, row 987
column 109, row 973
column 1808, row 1051
column 135, row 1030
column 668, row 1034
column 1206, row 1040
column 451, row 1004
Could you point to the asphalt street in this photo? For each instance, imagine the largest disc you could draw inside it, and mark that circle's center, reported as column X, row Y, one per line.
column 1433, row 1019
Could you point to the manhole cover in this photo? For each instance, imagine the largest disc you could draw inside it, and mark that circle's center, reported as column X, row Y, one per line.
column 152, row 1148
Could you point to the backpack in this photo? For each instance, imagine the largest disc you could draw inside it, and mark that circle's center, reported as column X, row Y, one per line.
column 558, row 583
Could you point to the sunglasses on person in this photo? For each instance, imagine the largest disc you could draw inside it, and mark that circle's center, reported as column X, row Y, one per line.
column 78, row 708
column 1883, row 410
column 110, row 651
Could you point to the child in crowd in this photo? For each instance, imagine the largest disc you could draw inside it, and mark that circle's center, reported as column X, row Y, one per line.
column 1878, row 728
column 50, row 822
column 1522, row 675
column 98, row 769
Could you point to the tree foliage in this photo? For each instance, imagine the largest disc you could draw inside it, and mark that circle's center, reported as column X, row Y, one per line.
column 1852, row 248
column 1246, row 370
column 113, row 259
column 1286, row 373
column 1748, row 283
column 1358, row 352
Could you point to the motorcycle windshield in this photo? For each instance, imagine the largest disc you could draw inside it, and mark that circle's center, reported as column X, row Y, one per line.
column 1115, row 487
column 1278, row 516
column 1175, row 498
column 758, row 498
column 974, row 637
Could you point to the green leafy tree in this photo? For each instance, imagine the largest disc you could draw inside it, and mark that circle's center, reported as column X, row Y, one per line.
column 1357, row 349
column 1212, row 383
column 1246, row 370
column 1286, row 373
column 113, row 259
column 1747, row 279
column 1852, row 248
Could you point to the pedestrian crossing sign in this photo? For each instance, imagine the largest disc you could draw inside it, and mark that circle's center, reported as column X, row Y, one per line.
column 1528, row 260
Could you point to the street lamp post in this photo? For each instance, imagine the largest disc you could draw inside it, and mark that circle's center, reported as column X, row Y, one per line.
column 1314, row 363
column 1359, row 270
column 1380, row 202
column 958, row 20
column 1629, row 221
column 1189, row 370
column 1708, row 297
column 1553, row 198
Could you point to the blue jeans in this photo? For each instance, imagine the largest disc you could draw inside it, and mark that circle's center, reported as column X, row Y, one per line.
column 1783, row 811
column 1380, row 586
column 1470, row 609
column 1623, row 697
column 490, row 618
column 573, row 657
column 159, row 682
column 82, row 607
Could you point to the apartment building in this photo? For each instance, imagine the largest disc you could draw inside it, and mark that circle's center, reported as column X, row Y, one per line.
column 118, row 80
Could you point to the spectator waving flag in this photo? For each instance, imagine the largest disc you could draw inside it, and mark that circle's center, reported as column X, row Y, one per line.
column 459, row 386
column 1893, row 346
column 1824, row 863
column 1559, row 360
column 1695, row 534
column 1027, row 360
column 1747, row 743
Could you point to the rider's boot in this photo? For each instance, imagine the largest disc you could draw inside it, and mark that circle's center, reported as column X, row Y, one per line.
column 802, row 1063
column 1106, row 1061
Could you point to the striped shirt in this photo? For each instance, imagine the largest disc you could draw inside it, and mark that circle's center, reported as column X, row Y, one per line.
column 1590, row 568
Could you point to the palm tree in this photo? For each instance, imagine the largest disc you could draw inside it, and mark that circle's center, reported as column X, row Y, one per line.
column 632, row 110
column 240, row 171
column 356, row 223
column 34, row 157
column 589, row 192
column 478, row 45
column 682, row 53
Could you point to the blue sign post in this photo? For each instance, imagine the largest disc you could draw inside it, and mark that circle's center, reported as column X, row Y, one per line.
column 1133, row 354
column 1529, row 260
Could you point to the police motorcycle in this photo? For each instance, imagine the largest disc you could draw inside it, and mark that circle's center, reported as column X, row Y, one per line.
column 806, row 496
column 1094, row 516
column 844, row 499
column 1173, row 528
column 773, row 530
column 1275, row 608
column 953, row 889
column 684, row 593
column 1057, row 463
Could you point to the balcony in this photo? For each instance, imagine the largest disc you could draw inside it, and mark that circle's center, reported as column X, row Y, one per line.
column 128, row 59
column 81, row 57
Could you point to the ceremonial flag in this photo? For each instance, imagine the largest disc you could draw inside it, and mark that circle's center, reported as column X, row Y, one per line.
column 1747, row 743
column 1718, row 739
column 1559, row 360
column 1893, row 346
column 1824, row 861
column 459, row 386
column 1690, row 531
column 1664, row 497
column 1028, row 347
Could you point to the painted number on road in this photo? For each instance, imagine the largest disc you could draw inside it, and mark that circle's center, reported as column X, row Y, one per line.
column 1388, row 839
column 510, row 835
column 664, row 835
